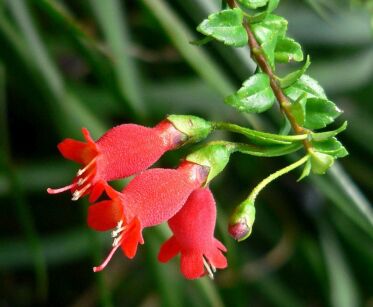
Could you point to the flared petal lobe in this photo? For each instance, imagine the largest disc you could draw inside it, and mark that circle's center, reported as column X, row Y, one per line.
column 193, row 229
column 151, row 198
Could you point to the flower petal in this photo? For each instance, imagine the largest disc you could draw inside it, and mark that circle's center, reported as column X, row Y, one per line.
column 72, row 150
column 217, row 259
column 131, row 238
column 104, row 215
column 192, row 265
column 220, row 245
column 168, row 250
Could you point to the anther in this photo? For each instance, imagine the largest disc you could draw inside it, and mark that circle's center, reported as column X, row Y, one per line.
column 208, row 268
column 78, row 193
column 82, row 171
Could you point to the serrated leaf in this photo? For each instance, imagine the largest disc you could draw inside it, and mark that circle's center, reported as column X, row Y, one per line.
column 298, row 110
column 305, row 85
column 320, row 113
column 225, row 26
column 268, row 48
column 331, row 147
column 253, row 4
column 255, row 95
column 306, row 170
column 293, row 77
column 288, row 50
column 322, row 136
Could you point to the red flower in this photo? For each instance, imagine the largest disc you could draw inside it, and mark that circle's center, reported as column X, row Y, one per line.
column 151, row 198
column 193, row 228
column 121, row 152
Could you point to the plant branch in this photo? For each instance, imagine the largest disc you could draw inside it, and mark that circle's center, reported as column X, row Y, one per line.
column 259, row 58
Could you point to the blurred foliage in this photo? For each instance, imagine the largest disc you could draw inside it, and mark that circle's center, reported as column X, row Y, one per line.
column 71, row 64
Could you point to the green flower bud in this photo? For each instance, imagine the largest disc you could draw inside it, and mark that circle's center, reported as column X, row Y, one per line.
column 242, row 220
column 320, row 162
column 194, row 127
column 214, row 155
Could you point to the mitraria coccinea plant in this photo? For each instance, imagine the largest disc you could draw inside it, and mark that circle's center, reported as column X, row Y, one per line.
column 181, row 196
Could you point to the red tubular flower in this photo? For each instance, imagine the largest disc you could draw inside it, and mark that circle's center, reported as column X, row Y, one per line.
column 121, row 152
column 193, row 229
column 151, row 198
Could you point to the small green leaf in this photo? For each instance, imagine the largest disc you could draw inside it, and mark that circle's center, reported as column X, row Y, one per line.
column 298, row 110
column 268, row 48
column 320, row 162
column 288, row 50
column 306, row 170
column 272, row 23
column 331, row 147
column 322, row 136
column 293, row 77
column 272, row 5
column 255, row 95
column 267, row 32
column 253, row 4
column 305, row 85
column 320, row 113
column 225, row 26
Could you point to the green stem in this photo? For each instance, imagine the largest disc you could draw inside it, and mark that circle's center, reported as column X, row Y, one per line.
column 282, row 139
column 254, row 193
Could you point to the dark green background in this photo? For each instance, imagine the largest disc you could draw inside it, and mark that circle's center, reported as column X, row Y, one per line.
column 99, row 63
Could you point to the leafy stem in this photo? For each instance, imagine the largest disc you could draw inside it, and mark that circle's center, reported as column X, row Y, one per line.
column 262, row 62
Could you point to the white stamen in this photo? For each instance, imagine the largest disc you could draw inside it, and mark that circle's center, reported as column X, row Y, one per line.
column 117, row 234
column 213, row 268
column 208, row 268
column 78, row 193
column 81, row 171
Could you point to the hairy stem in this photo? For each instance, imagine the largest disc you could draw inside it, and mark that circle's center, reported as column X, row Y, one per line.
column 257, row 55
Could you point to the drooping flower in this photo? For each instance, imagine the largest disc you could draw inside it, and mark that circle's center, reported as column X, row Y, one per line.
column 121, row 152
column 193, row 237
column 151, row 198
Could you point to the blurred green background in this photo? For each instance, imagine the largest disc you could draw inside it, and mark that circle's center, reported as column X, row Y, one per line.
column 97, row 63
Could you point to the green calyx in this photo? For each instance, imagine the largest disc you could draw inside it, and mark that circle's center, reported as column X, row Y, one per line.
column 194, row 127
column 320, row 162
column 241, row 221
column 214, row 155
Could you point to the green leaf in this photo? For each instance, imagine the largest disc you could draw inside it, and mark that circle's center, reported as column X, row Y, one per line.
column 320, row 113
column 305, row 85
column 331, row 147
column 272, row 23
column 254, row 96
column 272, row 5
column 306, row 170
column 267, row 32
column 322, row 136
column 293, row 77
column 288, row 50
column 268, row 48
column 225, row 26
column 253, row 4
column 298, row 110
